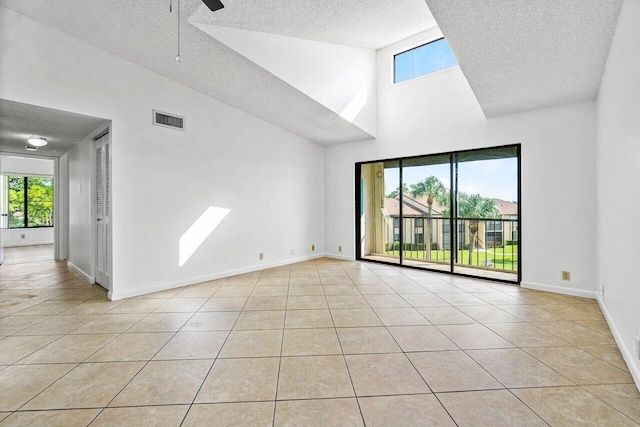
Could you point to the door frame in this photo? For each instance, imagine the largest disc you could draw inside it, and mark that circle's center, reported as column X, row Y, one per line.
column 59, row 209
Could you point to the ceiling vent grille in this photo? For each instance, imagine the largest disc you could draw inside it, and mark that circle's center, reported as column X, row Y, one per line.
column 168, row 120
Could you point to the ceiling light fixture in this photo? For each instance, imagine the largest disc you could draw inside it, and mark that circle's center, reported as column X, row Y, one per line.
column 37, row 141
column 26, row 147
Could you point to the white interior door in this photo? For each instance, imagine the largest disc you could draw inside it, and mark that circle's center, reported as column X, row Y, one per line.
column 103, row 212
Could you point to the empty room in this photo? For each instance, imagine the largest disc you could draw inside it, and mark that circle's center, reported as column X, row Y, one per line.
column 292, row 213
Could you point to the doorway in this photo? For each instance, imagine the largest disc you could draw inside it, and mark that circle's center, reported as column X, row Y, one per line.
column 27, row 210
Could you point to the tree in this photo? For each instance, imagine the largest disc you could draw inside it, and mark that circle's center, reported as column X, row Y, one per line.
column 39, row 202
column 396, row 192
column 435, row 191
column 474, row 207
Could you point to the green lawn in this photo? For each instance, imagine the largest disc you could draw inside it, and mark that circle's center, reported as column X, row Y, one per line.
column 505, row 258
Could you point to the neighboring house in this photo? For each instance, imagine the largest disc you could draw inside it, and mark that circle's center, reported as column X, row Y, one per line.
column 497, row 233
column 415, row 215
column 415, row 212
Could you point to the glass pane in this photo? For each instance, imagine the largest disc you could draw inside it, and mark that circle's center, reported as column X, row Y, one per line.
column 487, row 207
column 379, row 211
column 40, row 202
column 426, row 241
column 425, row 59
column 16, row 201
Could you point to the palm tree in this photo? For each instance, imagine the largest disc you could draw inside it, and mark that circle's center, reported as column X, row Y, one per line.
column 395, row 192
column 435, row 191
column 474, row 207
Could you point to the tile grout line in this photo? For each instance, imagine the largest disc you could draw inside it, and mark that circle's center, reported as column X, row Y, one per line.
column 145, row 363
column 204, row 379
column 284, row 322
column 344, row 358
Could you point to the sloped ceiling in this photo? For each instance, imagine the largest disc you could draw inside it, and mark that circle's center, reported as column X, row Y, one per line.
column 522, row 55
column 144, row 32
column 359, row 23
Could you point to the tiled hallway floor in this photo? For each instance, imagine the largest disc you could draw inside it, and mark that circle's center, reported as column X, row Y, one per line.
column 323, row 342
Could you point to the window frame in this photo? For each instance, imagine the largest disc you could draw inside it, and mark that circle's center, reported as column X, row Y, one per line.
column 25, row 220
column 418, row 46
column 458, row 226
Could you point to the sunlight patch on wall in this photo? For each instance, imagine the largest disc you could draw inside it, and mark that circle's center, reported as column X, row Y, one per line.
column 195, row 236
column 356, row 105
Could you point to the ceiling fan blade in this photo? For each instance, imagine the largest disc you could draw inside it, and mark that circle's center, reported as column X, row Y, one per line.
column 213, row 4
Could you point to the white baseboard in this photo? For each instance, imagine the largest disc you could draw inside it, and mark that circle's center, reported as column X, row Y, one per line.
column 627, row 353
column 194, row 280
column 37, row 243
column 558, row 289
column 340, row 256
column 79, row 271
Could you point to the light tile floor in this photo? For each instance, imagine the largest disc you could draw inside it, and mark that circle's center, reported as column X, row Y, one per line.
column 323, row 343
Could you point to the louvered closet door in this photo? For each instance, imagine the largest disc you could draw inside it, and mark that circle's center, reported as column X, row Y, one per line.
column 103, row 212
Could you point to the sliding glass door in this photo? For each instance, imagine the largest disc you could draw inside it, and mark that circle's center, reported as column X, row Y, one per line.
column 487, row 212
column 426, row 212
column 457, row 212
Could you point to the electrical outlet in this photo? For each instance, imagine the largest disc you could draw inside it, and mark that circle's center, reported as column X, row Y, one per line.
column 22, row 236
column 313, row 248
column 566, row 275
column 260, row 256
column 339, row 248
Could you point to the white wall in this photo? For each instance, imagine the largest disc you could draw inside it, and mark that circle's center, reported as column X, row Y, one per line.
column 25, row 166
column 342, row 78
column 164, row 179
column 32, row 236
column 80, row 165
column 439, row 113
column 619, row 185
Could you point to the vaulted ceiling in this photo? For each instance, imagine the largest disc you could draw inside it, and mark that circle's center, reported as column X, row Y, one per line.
column 522, row 55
column 145, row 32
column 516, row 56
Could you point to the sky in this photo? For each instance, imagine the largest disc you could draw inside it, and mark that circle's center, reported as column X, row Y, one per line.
column 496, row 179
column 422, row 60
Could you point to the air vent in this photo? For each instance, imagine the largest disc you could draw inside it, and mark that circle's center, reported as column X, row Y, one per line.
column 168, row 120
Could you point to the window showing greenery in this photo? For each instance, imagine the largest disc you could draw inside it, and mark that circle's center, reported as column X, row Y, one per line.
column 421, row 60
column 456, row 212
column 30, row 201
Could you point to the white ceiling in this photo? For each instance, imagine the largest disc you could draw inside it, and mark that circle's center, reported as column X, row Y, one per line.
column 356, row 23
column 516, row 56
column 522, row 55
column 144, row 32
column 63, row 130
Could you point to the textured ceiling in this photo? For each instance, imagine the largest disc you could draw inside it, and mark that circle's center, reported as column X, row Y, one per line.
column 144, row 32
column 522, row 55
column 354, row 23
column 62, row 130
